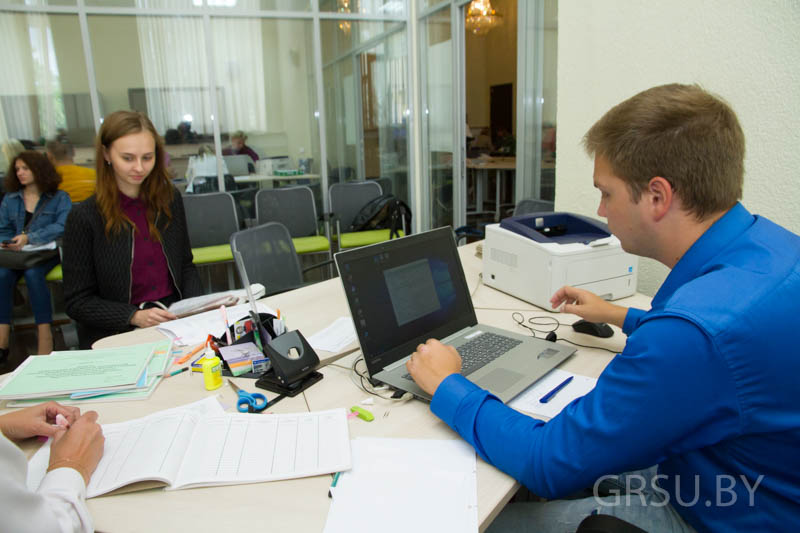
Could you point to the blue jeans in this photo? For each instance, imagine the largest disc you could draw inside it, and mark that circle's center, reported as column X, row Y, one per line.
column 37, row 289
column 642, row 507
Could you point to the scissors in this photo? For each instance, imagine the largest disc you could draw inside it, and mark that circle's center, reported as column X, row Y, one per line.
column 249, row 402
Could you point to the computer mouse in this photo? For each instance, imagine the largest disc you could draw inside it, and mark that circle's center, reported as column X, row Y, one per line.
column 596, row 329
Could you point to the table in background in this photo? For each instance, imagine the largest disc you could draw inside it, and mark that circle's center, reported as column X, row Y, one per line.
column 301, row 505
column 268, row 181
column 502, row 166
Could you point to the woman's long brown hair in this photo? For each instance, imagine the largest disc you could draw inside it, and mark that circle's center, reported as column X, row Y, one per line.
column 156, row 190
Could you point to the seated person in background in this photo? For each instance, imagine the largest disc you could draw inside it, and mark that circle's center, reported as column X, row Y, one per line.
column 77, row 181
column 706, row 386
column 127, row 247
column 59, row 504
column 238, row 146
column 33, row 212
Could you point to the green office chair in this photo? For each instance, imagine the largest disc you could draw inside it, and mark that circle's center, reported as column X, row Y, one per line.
column 294, row 207
column 211, row 220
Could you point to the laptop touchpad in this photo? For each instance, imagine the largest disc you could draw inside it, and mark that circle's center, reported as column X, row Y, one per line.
column 499, row 379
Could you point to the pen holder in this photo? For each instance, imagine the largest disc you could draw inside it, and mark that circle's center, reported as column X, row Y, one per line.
column 267, row 335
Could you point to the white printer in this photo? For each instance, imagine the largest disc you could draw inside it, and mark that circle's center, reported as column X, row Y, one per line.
column 532, row 256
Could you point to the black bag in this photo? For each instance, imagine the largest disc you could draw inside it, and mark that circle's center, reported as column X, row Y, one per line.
column 383, row 212
column 24, row 260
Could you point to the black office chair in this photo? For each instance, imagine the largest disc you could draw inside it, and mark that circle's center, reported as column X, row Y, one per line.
column 533, row 205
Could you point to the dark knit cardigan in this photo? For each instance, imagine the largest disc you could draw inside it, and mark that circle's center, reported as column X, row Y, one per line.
column 97, row 269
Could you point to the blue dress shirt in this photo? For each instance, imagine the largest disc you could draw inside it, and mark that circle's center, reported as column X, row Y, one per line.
column 706, row 387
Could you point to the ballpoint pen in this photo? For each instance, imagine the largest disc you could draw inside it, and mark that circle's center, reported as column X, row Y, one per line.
column 549, row 396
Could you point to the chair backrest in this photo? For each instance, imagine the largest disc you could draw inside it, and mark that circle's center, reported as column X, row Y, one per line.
column 386, row 185
column 347, row 199
column 291, row 206
column 238, row 165
column 531, row 205
column 211, row 218
column 269, row 257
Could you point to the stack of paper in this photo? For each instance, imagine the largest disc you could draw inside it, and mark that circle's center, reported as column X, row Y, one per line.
column 125, row 373
column 402, row 485
column 207, row 302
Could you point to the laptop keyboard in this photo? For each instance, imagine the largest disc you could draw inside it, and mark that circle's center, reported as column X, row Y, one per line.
column 481, row 351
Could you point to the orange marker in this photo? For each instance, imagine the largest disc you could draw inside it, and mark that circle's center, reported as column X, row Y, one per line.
column 188, row 355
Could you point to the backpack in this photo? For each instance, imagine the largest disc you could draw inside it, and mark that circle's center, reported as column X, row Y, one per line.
column 383, row 212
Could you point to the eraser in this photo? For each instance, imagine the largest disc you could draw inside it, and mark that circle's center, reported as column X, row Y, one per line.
column 363, row 414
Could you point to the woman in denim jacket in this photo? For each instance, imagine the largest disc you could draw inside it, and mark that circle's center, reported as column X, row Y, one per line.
column 32, row 200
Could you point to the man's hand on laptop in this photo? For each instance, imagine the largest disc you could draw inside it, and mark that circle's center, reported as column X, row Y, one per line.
column 588, row 306
column 431, row 363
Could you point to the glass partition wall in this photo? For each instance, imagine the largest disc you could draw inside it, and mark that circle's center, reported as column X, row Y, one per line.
column 367, row 103
column 324, row 85
column 204, row 69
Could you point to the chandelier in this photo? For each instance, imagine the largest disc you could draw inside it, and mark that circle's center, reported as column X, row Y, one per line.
column 481, row 17
column 344, row 7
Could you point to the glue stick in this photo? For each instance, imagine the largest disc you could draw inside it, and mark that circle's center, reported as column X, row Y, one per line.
column 212, row 372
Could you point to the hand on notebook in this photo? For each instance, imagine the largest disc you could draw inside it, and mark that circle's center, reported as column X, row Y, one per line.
column 588, row 306
column 36, row 420
column 431, row 363
column 151, row 317
column 80, row 447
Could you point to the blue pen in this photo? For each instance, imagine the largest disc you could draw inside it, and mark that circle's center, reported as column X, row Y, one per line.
column 549, row 396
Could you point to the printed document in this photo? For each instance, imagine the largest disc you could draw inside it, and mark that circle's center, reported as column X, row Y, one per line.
column 184, row 448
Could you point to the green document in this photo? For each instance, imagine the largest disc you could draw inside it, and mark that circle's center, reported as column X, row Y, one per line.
column 67, row 372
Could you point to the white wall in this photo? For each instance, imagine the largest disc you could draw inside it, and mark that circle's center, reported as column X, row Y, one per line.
column 746, row 51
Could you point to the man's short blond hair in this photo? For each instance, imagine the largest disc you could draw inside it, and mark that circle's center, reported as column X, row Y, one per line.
column 682, row 133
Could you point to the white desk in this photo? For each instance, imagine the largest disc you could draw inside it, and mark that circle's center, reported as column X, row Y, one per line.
column 301, row 505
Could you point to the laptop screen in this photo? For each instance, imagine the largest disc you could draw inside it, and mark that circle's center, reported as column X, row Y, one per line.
column 403, row 292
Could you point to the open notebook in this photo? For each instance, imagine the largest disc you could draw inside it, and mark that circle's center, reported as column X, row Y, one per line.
column 185, row 448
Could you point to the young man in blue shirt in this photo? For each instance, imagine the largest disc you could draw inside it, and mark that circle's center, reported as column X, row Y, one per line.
column 706, row 387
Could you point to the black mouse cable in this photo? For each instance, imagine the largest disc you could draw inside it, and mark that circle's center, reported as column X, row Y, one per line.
column 519, row 318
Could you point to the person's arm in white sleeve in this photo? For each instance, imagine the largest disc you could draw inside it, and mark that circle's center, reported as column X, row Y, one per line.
column 59, row 503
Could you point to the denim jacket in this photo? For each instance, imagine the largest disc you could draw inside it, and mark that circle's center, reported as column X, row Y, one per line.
column 48, row 224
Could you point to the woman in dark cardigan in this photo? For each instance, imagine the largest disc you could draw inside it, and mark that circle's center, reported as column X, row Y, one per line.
column 126, row 249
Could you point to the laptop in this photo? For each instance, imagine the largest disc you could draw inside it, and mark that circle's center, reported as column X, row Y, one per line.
column 405, row 291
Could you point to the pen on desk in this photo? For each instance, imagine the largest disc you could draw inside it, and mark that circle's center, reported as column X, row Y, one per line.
column 184, row 369
column 333, row 483
column 549, row 396
column 227, row 329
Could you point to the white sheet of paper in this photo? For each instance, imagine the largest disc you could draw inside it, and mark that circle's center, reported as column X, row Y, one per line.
column 435, row 478
column 335, row 337
column 528, row 400
column 195, row 329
